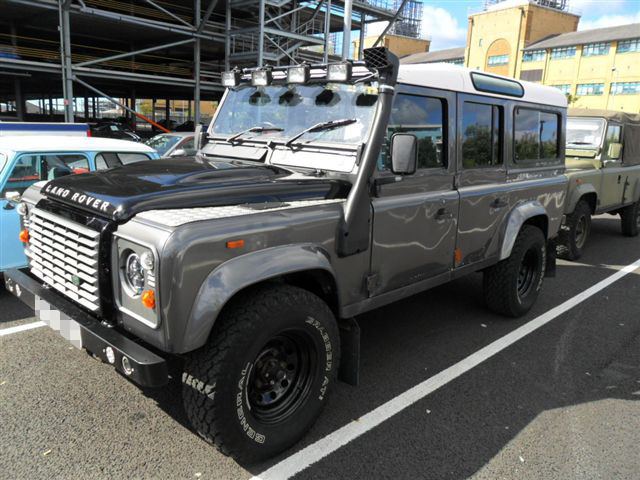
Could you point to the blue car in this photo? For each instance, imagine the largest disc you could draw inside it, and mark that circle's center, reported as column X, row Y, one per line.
column 25, row 160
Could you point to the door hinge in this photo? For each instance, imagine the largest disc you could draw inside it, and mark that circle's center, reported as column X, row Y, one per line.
column 371, row 283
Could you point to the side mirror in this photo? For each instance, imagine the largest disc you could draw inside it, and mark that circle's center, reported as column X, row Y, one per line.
column 615, row 151
column 198, row 138
column 404, row 153
column 179, row 152
column 13, row 197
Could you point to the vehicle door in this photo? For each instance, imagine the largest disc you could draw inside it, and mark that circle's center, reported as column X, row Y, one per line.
column 614, row 174
column 484, row 194
column 26, row 170
column 414, row 218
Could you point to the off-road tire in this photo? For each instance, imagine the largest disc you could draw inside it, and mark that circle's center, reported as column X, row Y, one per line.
column 631, row 220
column 570, row 243
column 219, row 378
column 501, row 281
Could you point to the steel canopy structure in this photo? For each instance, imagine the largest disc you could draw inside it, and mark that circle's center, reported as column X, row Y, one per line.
column 128, row 49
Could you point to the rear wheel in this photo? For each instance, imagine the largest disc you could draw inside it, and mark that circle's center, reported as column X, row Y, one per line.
column 259, row 384
column 573, row 240
column 631, row 220
column 512, row 286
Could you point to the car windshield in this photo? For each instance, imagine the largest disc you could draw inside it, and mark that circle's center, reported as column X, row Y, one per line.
column 163, row 143
column 585, row 132
column 294, row 108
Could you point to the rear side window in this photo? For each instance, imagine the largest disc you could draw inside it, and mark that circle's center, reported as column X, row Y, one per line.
column 30, row 169
column 481, row 135
column 424, row 118
column 536, row 136
column 110, row 159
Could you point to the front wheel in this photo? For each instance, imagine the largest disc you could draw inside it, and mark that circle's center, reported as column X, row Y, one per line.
column 260, row 383
column 631, row 220
column 511, row 287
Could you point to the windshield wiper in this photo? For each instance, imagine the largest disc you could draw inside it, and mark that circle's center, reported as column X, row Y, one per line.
column 580, row 143
column 318, row 127
column 235, row 136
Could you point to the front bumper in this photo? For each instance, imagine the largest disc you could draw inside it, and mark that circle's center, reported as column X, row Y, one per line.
column 145, row 367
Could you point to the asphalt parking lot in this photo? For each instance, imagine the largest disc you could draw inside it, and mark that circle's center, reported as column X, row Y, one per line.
column 561, row 402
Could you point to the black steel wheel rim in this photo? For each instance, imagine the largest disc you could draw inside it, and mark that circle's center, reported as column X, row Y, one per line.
column 281, row 377
column 527, row 273
column 582, row 231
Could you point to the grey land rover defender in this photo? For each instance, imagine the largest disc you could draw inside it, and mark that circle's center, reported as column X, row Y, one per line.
column 323, row 191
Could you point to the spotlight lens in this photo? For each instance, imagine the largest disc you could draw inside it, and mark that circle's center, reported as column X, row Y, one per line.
column 261, row 78
column 339, row 72
column 231, row 78
column 298, row 74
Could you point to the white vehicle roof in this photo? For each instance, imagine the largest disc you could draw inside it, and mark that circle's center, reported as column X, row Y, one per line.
column 455, row 78
column 60, row 143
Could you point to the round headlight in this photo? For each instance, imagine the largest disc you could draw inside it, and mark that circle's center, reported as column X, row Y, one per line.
column 134, row 274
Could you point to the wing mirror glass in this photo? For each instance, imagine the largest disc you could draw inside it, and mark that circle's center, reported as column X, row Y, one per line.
column 404, row 153
column 615, row 151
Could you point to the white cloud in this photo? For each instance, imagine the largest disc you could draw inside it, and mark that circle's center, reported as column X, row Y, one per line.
column 443, row 29
column 598, row 7
column 610, row 20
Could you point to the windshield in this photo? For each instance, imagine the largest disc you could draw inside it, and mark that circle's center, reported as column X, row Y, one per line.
column 294, row 108
column 585, row 132
column 163, row 143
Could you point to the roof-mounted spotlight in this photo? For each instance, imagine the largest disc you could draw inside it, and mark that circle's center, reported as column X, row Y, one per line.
column 261, row 77
column 339, row 72
column 299, row 74
column 231, row 78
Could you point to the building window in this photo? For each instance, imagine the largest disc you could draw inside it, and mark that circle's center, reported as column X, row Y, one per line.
column 495, row 60
column 593, row 49
column 536, row 136
column 456, row 61
column 534, row 56
column 590, row 89
column 481, row 135
column 566, row 88
column 563, row 52
column 627, row 46
column 625, row 88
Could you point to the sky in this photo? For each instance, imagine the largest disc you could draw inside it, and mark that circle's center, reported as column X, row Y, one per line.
column 445, row 21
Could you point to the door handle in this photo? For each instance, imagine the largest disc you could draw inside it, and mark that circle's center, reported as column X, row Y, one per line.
column 444, row 214
column 499, row 203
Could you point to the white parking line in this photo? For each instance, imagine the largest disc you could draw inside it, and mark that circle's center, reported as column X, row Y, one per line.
column 21, row 328
column 306, row 457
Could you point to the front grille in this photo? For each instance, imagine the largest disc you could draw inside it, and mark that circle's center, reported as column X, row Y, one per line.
column 64, row 255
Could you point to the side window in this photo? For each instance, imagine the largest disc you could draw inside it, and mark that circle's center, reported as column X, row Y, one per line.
column 423, row 117
column 77, row 163
column 614, row 135
column 127, row 158
column 110, row 159
column 481, row 135
column 25, row 173
column 535, row 136
column 107, row 160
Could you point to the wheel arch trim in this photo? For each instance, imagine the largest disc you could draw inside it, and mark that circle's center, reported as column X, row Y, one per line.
column 244, row 271
column 577, row 194
column 516, row 219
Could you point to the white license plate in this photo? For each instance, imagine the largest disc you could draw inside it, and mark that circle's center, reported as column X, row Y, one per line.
column 58, row 321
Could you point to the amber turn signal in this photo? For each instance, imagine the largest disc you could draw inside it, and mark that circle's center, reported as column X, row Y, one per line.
column 24, row 236
column 149, row 299
column 235, row 244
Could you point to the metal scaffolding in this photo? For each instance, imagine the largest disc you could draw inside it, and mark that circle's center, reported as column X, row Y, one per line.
column 177, row 47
